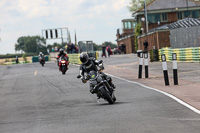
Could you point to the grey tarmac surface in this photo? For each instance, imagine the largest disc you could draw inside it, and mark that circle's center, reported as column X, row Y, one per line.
column 35, row 99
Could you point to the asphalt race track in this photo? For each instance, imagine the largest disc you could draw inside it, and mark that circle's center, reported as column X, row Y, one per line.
column 36, row 99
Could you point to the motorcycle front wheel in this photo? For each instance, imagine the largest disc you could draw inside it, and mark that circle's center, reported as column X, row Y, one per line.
column 64, row 69
column 106, row 96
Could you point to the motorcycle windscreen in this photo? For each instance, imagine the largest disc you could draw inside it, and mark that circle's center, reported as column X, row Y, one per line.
column 62, row 59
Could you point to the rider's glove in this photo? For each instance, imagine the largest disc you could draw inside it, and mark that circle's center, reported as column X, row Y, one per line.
column 84, row 80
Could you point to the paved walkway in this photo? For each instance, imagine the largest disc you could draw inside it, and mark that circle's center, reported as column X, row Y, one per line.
column 188, row 89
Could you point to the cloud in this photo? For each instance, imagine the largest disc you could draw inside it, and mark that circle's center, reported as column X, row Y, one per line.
column 119, row 5
column 34, row 8
column 92, row 19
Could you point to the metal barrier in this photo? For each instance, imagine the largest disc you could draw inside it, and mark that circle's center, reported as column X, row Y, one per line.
column 74, row 58
column 183, row 54
column 35, row 58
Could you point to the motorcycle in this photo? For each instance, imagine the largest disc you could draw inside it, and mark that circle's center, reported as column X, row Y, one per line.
column 100, row 85
column 63, row 64
column 42, row 61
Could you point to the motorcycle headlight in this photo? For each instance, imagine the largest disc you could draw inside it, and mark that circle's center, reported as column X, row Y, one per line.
column 99, row 79
column 62, row 61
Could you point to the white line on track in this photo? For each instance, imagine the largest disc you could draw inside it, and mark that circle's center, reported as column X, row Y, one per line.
column 167, row 94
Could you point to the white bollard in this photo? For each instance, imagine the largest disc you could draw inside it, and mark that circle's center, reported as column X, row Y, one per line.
column 164, row 65
column 140, row 66
column 146, row 63
column 175, row 71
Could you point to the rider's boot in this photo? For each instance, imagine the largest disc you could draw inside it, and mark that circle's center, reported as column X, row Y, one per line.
column 98, row 96
column 111, row 83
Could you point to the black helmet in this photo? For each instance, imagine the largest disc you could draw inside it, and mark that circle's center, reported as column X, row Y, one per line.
column 84, row 58
column 61, row 50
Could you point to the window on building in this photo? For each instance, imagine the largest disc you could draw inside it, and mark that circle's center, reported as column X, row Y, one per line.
column 187, row 14
column 127, row 25
column 134, row 24
column 180, row 15
column 164, row 17
column 153, row 18
column 157, row 17
column 195, row 14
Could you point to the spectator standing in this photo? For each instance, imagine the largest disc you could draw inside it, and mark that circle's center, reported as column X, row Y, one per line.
column 53, row 50
column 145, row 46
column 73, row 49
column 108, row 50
column 66, row 47
column 69, row 48
column 17, row 60
column 76, row 48
column 124, row 48
column 56, row 49
column 103, row 51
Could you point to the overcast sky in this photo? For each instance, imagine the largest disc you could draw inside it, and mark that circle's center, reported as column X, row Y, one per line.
column 95, row 20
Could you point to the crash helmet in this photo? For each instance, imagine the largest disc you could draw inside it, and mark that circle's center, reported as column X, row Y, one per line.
column 40, row 53
column 84, row 58
column 61, row 51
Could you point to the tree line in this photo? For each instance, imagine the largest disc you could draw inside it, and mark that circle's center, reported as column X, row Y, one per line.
column 36, row 44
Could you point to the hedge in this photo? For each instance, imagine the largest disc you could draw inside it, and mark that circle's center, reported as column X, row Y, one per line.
column 14, row 55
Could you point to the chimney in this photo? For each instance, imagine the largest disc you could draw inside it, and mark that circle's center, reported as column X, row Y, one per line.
column 118, row 34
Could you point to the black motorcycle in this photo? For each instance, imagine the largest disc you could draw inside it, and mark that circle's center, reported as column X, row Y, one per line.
column 100, row 86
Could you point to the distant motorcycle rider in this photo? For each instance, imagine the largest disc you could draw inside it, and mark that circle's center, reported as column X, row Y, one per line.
column 61, row 52
column 89, row 64
column 41, row 55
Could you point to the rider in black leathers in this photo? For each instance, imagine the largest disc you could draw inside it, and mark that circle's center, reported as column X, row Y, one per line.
column 89, row 64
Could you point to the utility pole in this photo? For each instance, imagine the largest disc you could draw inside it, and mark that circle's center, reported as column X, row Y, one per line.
column 145, row 11
column 187, row 8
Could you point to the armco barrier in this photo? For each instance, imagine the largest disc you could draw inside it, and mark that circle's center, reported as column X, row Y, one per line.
column 191, row 54
column 35, row 58
column 73, row 58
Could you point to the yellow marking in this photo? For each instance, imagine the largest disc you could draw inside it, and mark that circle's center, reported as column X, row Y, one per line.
column 116, row 67
column 35, row 73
